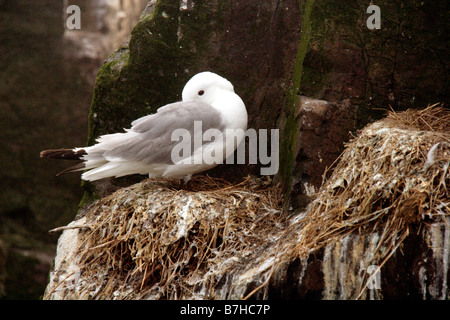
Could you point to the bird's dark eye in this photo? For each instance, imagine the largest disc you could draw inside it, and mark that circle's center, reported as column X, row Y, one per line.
column 201, row 92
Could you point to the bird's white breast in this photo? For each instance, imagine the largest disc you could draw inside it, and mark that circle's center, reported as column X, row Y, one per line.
column 232, row 108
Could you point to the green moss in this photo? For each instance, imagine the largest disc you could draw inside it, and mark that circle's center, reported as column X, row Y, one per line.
column 290, row 129
column 150, row 73
column 89, row 195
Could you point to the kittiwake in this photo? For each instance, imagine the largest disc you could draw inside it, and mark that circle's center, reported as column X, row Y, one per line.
column 147, row 147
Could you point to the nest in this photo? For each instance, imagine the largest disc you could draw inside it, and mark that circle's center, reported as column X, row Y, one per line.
column 392, row 177
column 154, row 240
column 215, row 240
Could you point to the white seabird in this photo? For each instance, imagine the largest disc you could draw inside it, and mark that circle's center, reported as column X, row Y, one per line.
column 146, row 148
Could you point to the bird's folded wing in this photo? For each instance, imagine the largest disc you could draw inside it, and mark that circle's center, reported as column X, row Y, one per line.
column 150, row 138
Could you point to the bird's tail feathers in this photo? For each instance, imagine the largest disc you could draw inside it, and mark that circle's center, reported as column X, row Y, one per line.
column 77, row 167
column 64, row 154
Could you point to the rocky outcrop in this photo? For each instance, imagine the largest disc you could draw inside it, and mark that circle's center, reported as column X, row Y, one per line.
column 322, row 128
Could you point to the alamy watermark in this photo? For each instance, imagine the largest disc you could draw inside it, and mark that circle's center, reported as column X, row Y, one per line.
column 73, row 21
column 191, row 149
column 374, row 20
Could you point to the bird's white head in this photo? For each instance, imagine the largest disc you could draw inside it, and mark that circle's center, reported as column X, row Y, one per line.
column 204, row 87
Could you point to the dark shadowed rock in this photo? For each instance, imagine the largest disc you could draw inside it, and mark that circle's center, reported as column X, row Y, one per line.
column 46, row 87
column 323, row 127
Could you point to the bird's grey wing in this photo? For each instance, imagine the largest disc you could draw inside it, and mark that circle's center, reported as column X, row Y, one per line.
column 151, row 136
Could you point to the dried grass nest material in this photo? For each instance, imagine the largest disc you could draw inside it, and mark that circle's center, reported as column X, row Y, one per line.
column 154, row 240
column 392, row 176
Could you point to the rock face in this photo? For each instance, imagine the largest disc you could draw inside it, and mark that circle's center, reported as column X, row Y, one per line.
column 375, row 68
column 322, row 128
